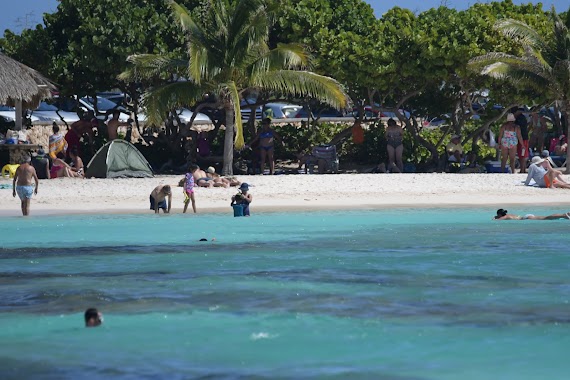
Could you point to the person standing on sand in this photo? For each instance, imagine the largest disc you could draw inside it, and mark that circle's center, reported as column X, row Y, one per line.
column 78, row 129
column 266, row 138
column 23, row 184
column 504, row 215
column 158, row 199
column 522, row 147
column 509, row 137
column 113, row 125
column 189, row 188
column 395, row 146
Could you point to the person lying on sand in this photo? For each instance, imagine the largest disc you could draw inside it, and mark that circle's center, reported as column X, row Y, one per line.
column 504, row 215
column 221, row 181
column 201, row 179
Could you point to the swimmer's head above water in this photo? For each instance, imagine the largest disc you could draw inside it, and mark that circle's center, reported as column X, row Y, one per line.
column 501, row 213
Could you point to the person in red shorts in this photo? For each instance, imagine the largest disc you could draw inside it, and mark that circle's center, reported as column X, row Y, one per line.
column 77, row 130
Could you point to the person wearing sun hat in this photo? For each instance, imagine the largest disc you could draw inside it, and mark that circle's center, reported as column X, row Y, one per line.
column 544, row 175
column 241, row 201
column 509, row 137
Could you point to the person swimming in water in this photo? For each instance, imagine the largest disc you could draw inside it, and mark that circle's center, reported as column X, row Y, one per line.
column 504, row 215
column 93, row 317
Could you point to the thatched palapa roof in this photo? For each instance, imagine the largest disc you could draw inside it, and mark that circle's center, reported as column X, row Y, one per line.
column 20, row 82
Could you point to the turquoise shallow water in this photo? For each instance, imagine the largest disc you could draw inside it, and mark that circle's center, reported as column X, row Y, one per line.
column 396, row 294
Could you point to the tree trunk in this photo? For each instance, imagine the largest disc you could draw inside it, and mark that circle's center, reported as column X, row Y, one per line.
column 228, row 168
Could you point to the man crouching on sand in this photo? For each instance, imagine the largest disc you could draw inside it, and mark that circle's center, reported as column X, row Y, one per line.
column 23, row 184
column 158, row 198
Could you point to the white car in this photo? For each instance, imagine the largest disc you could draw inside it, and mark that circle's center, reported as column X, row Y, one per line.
column 185, row 115
column 9, row 113
column 281, row 110
column 105, row 108
column 52, row 113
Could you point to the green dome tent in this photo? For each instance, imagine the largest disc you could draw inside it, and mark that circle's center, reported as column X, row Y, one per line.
column 118, row 159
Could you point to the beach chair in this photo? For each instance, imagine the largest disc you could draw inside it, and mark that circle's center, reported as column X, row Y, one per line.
column 325, row 157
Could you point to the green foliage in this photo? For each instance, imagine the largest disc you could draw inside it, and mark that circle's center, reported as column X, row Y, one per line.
column 31, row 47
column 92, row 40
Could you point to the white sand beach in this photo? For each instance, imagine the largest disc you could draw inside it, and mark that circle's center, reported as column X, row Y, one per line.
column 291, row 192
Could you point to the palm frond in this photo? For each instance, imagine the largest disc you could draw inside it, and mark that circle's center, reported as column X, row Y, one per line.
column 146, row 66
column 303, row 84
column 284, row 57
column 521, row 32
column 160, row 100
column 182, row 16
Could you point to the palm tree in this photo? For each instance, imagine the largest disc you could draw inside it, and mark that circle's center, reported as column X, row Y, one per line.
column 228, row 55
column 544, row 65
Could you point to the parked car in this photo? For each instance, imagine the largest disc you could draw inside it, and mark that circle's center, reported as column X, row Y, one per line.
column 369, row 112
column 116, row 97
column 281, row 110
column 303, row 113
column 52, row 113
column 185, row 115
column 104, row 107
column 84, row 104
column 9, row 114
column 246, row 111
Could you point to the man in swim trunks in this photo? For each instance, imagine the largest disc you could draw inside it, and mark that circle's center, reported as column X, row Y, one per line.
column 504, row 215
column 544, row 175
column 158, row 199
column 77, row 130
column 23, row 184
column 201, row 178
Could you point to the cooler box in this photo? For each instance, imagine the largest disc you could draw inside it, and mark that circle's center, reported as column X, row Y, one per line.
column 495, row 167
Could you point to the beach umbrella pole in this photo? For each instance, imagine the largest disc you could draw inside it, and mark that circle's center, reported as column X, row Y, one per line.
column 18, row 126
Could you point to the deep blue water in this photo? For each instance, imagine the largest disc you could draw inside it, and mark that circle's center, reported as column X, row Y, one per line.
column 395, row 294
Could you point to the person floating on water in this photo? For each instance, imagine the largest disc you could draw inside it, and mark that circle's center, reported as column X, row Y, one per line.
column 23, row 184
column 93, row 317
column 158, row 199
column 504, row 215
column 241, row 201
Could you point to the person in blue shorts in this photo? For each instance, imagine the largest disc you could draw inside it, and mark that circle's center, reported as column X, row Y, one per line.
column 24, row 184
column 158, row 199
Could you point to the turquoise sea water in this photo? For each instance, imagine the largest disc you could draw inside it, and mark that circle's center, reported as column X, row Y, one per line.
column 396, row 294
